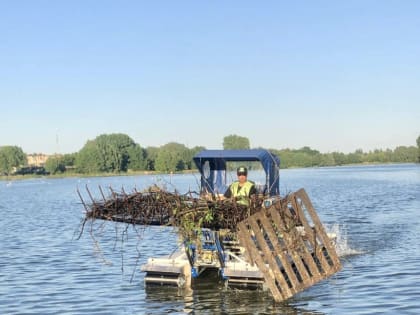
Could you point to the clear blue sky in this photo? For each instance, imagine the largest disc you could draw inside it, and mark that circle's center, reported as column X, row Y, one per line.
column 332, row 75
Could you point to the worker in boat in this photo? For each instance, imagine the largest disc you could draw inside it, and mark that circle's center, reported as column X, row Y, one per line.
column 241, row 190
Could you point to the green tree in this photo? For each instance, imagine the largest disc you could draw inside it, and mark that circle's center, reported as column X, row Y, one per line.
column 339, row 158
column 69, row 159
column 137, row 158
column 235, row 142
column 418, row 147
column 172, row 157
column 327, row 159
column 151, row 156
column 88, row 159
column 403, row 154
column 356, row 157
column 309, row 151
column 113, row 149
column 55, row 164
column 106, row 153
column 167, row 161
column 193, row 152
column 11, row 157
column 304, row 157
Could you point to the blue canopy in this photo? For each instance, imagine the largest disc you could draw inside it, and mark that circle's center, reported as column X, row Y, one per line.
column 212, row 167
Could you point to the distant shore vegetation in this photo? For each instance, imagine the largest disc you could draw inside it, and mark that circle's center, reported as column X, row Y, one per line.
column 117, row 153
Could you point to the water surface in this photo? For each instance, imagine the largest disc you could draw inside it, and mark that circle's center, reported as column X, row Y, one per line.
column 45, row 269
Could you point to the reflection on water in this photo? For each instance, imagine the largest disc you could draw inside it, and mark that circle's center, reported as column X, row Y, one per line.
column 210, row 296
column 44, row 270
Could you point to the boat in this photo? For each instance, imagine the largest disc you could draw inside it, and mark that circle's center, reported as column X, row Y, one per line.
column 281, row 246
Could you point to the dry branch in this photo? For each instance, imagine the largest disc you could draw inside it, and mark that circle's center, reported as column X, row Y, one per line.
column 155, row 206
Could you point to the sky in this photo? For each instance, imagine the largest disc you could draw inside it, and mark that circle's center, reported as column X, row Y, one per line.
column 331, row 75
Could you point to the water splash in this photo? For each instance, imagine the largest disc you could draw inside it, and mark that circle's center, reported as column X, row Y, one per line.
column 341, row 244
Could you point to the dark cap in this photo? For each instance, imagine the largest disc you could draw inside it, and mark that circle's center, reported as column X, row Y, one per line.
column 242, row 170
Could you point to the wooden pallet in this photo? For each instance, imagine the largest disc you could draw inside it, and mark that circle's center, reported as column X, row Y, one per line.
column 289, row 245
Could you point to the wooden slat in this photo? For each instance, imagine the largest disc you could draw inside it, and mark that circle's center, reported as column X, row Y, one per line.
column 310, row 235
column 305, row 251
column 280, row 253
column 270, row 281
column 269, row 259
column 290, row 244
column 245, row 240
column 290, row 252
column 301, row 194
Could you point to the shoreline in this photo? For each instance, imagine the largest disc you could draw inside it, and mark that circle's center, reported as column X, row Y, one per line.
column 139, row 173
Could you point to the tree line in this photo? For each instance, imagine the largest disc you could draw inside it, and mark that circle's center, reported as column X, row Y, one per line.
column 118, row 153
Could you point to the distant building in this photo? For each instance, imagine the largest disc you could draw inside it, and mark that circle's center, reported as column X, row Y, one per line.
column 37, row 159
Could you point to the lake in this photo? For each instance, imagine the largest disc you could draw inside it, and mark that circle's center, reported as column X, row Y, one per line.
column 46, row 269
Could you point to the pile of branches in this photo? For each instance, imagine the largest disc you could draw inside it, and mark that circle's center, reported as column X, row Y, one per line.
column 188, row 213
column 155, row 206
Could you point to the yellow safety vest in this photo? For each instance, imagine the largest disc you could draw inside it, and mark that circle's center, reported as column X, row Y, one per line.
column 242, row 194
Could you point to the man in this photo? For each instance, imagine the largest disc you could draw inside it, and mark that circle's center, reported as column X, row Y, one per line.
column 243, row 189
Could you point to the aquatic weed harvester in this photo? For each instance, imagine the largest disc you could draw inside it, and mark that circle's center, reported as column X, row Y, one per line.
column 276, row 243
